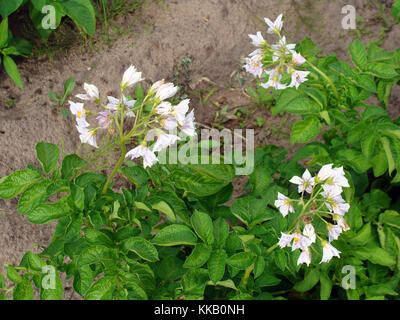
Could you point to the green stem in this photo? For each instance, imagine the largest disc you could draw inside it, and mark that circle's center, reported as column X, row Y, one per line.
column 245, row 279
column 117, row 166
column 325, row 77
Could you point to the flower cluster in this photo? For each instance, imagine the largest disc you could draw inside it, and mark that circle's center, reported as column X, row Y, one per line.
column 162, row 118
column 325, row 202
column 274, row 63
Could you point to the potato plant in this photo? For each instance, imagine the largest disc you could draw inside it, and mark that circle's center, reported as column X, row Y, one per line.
column 323, row 224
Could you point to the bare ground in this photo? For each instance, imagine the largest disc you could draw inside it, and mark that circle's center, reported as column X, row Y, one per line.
column 213, row 33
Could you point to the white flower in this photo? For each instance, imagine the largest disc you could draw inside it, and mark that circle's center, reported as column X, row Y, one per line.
column 298, row 77
column 164, row 141
column 149, row 158
column 282, row 48
column 179, row 111
column 87, row 136
column 129, row 104
column 164, row 108
column 338, row 178
column 309, row 232
column 169, row 123
column 254, row 65
column 92, row 93
column 325, row 172
column 274, row 81
column 165, row 91
column 276, row 26
column 300, row 241
column 284, row 204
column 257, row 39
column 329, row 252
column 157, row 85
column 285, row 240
column 305, row 183
column 113, row 104
column 80, row 113
column 104, row 119
column 297, row 59
column 342, row 223
column 305, row 257
column 188, row 126
column 131, row 77
column 334, row 201
column 334, row 231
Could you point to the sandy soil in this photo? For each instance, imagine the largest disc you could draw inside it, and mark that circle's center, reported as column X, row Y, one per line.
column 213, row 33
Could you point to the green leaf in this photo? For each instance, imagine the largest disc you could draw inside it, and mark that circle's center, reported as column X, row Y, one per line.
column 375, row 255
column 135, row 292
column 381, row 70
column 242, row 260
column 396, row 11
column 326, row 286
column 354, row 159
column 203, row 226
column 165, row 208
column 259, row 267
column 82, row 13
column 17, row 182
column 198, row 184
column 368, row 142
column 366, row 83
column 23, row 291
column 220, row 172
column 216, row 265
column 139, row 94
column 251, row 210
column 7, row 7
column 13, row 275
column 83, row 280
column 174, row 235
column 304, row 131
column 50, row 293
column 53, row 96
column 136, row 175
column 267, row 280
column 95, row 254
column 2, row 281
column 293, row 101
column 199, row 256
column 47, row 212
column 194, row 282
column 3, row 33
column 363, row 236
column 33, row 196
column 142, row 248
column 310, row 280
column 221, row 232
column 384, row 91
column 389, row 156
column 70, row 164
column 358, row 54
column 77, row 197
column 102, row 289
column 68, row 87
column 12, row 70
column 48, row 155
column 379, row 162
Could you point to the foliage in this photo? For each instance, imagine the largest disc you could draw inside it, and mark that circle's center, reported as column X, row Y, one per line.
column 171, row 234
column 69, row 86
